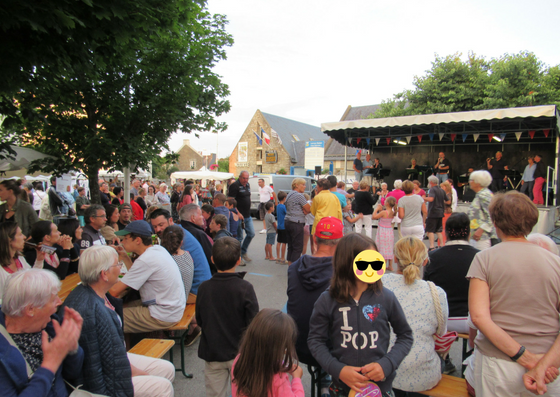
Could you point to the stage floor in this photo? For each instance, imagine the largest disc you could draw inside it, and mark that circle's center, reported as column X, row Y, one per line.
column 547, row 217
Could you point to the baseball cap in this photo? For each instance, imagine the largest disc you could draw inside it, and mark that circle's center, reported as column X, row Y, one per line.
column 329, row 228
column 141, row 228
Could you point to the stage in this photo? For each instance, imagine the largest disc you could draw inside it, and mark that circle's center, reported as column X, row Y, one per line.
column 547, row 217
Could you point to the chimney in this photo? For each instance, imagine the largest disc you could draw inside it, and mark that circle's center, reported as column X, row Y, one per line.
column 186, row 142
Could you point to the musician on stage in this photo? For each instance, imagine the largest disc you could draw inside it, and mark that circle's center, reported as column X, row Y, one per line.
column 412, row 175
column 468, row 193
column 540, row 178
column 528, row 180
column 442, row 168
column 495, row 165
column 367, row 166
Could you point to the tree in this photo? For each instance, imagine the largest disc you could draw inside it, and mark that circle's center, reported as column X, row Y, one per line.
column 223, row 165
column 452, row 85
column 124, row 112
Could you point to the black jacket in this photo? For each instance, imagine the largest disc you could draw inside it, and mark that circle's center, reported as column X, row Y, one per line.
column 225, row 306
column 205, row 241
column 308, row 278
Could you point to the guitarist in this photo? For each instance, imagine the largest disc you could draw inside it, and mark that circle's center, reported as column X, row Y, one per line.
column 442, row 167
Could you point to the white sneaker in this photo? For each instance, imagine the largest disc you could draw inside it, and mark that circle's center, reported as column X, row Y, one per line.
column 263, row 231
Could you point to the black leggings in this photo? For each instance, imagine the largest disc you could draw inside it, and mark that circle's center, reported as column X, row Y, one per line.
column 294, row 231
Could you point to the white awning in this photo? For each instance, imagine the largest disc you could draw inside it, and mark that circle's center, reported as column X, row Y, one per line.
column 443, row 118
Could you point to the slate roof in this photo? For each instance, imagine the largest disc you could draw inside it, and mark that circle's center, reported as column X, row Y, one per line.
column 334, row 150
column 287, row 128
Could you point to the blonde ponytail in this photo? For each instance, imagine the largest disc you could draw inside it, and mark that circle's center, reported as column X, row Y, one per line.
column 410, row 253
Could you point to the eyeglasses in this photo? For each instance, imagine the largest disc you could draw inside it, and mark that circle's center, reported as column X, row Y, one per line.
column 363, row 265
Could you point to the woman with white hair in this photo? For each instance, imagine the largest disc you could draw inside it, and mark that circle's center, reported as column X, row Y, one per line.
column 482, row 229
column 35, row 347
column 383, row 193
column 397, row 193
column 108, row 368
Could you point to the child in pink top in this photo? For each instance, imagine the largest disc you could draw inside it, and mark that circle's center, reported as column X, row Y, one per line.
column 267, row 357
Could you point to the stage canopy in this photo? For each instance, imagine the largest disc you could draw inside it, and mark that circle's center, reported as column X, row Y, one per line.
column 534, row 123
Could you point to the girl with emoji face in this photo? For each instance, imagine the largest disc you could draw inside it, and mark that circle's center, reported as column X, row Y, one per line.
column 356, row 314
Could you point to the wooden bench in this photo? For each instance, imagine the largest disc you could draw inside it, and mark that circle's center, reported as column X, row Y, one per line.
column 155, row 348
column 68, row 284
column 448, row 386
column 182, row 326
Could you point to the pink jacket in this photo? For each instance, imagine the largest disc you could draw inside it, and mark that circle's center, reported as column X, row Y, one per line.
column 281, row 386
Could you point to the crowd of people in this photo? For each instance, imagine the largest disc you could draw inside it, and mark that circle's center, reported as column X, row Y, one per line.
column 141, row 263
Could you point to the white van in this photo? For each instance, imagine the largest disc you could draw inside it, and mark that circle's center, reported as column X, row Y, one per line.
column 280, row 183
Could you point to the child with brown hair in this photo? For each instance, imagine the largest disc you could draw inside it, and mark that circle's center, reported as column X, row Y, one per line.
column 267, row 356
column 349, row 330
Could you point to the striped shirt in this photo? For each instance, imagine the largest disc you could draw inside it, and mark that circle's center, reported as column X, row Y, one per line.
column 294, row 207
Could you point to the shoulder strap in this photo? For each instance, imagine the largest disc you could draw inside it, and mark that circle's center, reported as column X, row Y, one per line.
column 8, row 337
column 437, row 304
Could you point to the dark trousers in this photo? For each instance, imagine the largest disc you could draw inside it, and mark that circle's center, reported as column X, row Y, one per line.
column 527, row 189
column 294, row 231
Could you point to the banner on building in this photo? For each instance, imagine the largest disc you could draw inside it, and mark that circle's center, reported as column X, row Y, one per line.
column 314, row 154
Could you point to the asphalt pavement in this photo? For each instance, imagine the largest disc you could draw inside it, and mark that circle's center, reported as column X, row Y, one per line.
column 270, row 282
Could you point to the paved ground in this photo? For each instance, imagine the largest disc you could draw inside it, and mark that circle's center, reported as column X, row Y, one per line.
column 269, row 280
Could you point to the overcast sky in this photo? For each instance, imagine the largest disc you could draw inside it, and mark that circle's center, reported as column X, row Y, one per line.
column 308, row 60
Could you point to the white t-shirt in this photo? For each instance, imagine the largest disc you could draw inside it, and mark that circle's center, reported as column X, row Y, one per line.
column 265, row 193
column 158, row 279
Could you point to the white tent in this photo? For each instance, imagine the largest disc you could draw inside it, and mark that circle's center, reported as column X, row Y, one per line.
column 24, row 156
column 200, row 174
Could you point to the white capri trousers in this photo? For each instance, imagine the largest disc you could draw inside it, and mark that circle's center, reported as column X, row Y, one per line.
column 416, row 231
column 494, row 377
column 158, row 383
column 366, row 223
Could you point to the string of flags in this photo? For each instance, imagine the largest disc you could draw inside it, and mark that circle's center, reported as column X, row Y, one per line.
column 498, row 137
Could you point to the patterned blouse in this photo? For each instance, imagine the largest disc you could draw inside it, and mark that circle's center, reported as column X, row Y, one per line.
column 480, row 216
column 421, row 368
column 30, row 347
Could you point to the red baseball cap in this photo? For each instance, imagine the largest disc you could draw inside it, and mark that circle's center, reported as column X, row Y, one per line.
column 329, row 228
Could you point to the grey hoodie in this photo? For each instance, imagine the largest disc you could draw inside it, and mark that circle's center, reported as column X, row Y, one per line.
column 359, row 334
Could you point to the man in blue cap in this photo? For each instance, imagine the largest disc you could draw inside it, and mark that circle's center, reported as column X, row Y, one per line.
column 155, row 275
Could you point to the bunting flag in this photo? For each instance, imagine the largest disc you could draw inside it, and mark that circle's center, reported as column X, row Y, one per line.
column 408, row 138
column 358, row 140
column 465, row 137
column 546, row 132
column 532, row 134
column 441, row 134
column 350, row 141
column 431, row 137
column 265, row 137
column 275, row 135
column 490, row 136
column 388, row 141
column 367, row 140
column 258, row 138
column 475, row 137
column 358, row 151
column 453, row 137
column 420, row 138
column 377, row 141
column 518, row 135
column 502, row 137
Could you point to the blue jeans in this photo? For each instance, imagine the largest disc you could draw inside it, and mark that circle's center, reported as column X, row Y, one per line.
column 358, row 176
column 250, row 233
column 442, row 177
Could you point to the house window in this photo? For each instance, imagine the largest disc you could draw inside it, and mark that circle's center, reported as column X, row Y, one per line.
column 259, row 154
column 296, row 138
column 193, row 164
column 259, row 169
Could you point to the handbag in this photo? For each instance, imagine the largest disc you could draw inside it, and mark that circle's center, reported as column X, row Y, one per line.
column 76, row 391
column 443, row 340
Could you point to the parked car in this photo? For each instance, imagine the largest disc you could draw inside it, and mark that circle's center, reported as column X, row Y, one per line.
column 279, row 183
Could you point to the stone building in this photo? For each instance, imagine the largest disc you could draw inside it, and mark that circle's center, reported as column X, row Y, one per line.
column 285, row 149
column 189, row 158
